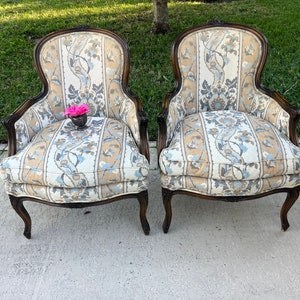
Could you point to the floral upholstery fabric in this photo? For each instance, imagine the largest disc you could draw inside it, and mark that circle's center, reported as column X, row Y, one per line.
column 225, row 137
column 228, row 188
column 224, row 152
column 64, row 164
column 81, row 67
column 217, row 67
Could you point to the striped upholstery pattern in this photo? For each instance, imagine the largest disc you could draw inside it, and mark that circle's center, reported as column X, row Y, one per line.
column 217, row 67
column 225, row 136
column 57, row 162
column 83, row 67
column 66, row 164
column 229, row 153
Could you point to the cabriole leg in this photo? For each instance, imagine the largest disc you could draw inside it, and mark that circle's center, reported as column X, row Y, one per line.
column 143, row 200
column 17, row 204
column 291, row 198
column 167, row 196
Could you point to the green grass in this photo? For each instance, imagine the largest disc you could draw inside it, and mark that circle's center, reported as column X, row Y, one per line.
column 22, row 22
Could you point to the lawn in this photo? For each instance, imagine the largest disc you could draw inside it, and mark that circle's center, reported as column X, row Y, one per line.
column 23, row 22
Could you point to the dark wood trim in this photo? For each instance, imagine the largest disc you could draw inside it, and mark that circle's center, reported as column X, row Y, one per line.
column 292, row 196
column 17, row 204
column 144, row 144
column 162, row 128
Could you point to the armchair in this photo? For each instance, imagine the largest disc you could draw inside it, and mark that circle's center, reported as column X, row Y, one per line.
column 222, row 136
column 52, row 162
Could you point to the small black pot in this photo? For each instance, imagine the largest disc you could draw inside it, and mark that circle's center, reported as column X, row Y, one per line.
column 79, row 121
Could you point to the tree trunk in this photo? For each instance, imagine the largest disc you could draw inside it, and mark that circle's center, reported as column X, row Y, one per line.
column 161, row 17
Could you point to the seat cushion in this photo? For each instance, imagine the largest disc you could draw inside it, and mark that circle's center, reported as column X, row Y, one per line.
column 61, row 156
column 72, row 195
column 229, row 146
column 228, row 188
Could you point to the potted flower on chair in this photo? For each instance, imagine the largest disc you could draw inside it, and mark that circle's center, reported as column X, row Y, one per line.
column 78, row 114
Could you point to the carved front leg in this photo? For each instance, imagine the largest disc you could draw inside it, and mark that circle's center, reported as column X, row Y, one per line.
column 291, row 198
column 143, row 200
column 167, row 196
column 17, row 204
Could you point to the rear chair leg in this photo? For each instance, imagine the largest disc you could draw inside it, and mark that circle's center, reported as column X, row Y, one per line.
column 291, row 198
column 143, row 200
column 17, row 204
column 167, row 196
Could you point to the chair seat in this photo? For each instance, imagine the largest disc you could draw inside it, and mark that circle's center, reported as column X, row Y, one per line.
column 61, row 156
column 229, row 146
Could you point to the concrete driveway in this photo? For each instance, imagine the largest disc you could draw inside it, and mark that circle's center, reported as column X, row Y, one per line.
column 214, row 250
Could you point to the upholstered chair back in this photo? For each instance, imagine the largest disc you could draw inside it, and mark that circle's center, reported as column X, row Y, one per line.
column 80, row 67
column 219, row 68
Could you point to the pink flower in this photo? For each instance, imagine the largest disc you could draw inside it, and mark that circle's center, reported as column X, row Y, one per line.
column 75, row 111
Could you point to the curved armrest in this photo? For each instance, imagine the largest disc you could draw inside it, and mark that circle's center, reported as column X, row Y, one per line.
column 294, row 116
column 143, row 124
column 162, row 127
column 27, row 120
column 10, row 122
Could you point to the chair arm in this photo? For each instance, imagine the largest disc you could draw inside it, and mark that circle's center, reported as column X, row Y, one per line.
column 162, row 128
column 10, row 121
column 294, row 113
column 172, row 113
column 143, row 124
column 28, row 119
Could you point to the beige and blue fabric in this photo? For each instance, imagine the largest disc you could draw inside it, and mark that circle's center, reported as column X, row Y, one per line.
column 217, row 68
column 59, row 163
column 82, row 67
column 225, row 137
